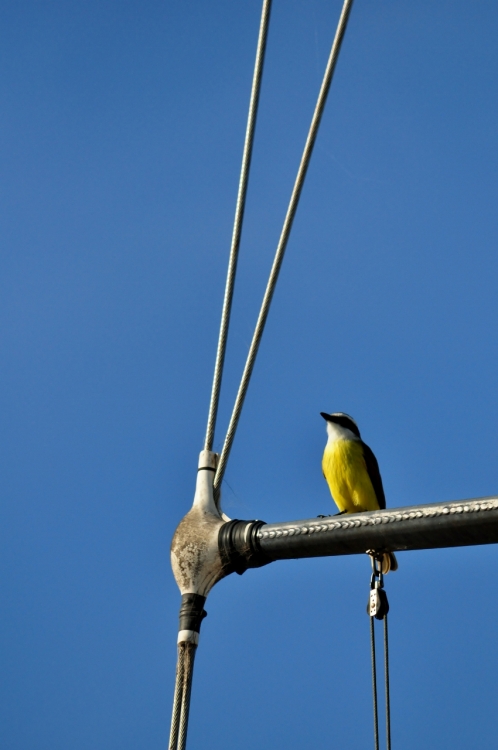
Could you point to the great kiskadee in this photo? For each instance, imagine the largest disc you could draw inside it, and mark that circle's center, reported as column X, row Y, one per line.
column 352, row 472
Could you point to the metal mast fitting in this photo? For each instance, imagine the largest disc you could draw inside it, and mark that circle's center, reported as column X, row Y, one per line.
column 195, row 558
column 198, row 558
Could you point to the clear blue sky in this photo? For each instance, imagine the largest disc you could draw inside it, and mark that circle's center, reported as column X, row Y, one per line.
column 122, row 127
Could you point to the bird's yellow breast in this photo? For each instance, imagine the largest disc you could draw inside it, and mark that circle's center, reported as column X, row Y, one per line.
column 346, row 473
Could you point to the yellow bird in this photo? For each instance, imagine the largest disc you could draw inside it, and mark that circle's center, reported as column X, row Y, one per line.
column 352, row 472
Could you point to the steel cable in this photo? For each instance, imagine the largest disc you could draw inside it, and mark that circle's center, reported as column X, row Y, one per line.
column 282, row 244
column 237, row 226
column 177, row 699
column 190, row 649
column 374, row 684
column 386, row 677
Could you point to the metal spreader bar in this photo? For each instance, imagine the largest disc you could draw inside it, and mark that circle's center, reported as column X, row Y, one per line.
column 237, row 224
column 245, row 544
column 282, row 243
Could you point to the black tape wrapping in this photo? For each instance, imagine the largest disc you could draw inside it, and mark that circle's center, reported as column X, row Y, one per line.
column 239, row 547
column 192, row 612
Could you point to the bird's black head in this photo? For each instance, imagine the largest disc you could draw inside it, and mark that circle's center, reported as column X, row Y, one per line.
column 344, row 420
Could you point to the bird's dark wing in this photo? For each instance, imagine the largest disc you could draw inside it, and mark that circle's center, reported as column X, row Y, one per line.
column 374, row 474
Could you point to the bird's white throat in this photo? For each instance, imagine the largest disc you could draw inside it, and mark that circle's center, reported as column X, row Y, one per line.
column 336, row 432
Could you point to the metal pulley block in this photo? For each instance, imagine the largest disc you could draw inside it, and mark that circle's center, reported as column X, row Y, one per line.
column 378, row 605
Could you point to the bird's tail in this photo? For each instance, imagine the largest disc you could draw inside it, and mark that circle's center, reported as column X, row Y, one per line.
column 389, row 562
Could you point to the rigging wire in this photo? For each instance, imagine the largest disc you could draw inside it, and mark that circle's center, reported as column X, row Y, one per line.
column 177, row 699
column 190, row 649
column 237, row 226
column 377, row 608
column 191, row 615
column 181, row 700
column 282, row 244
column 374, row 684
column 386, row 679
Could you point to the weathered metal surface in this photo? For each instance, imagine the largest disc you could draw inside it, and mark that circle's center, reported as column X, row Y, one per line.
column 453, row 524
column 195, row 556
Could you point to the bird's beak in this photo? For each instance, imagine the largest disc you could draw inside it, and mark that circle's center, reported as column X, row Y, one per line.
column 327, row 417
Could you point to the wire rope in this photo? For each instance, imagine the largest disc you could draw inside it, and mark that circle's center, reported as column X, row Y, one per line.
column 190, row 649
column 374, row 684
column 177, row 699
column 386, row 678
column 282, row 244
column 237, row 226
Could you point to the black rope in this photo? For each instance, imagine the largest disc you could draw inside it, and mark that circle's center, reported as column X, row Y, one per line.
column 374, row 684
